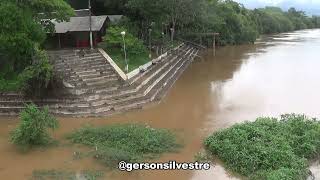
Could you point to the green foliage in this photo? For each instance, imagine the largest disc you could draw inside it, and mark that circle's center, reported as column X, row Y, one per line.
column 23, row 65
column 35, row 78
column 10, row 85
column 18, row 36
column 235, row 23
column 268, row 148
column 33, row 127
column 134, row 61
column 113, row 38
column 48, row 9
column 127, row 142
column 54, row 174
column 23, row 30
column 137, row 53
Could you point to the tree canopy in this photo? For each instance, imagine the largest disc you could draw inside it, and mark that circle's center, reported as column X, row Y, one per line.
column 232, row 20
column 21, row 30
column 24, row 24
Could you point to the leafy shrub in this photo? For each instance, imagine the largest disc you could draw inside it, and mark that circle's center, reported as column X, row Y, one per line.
column 113, row 39
column 268, row 148
column 9, row 85
column 128, row 142
column 33, row 127
column 35, row 79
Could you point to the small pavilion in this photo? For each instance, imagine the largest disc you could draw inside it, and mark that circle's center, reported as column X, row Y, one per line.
column 76, row 32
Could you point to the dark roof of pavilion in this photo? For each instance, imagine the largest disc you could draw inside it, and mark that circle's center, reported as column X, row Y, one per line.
column 80, row 24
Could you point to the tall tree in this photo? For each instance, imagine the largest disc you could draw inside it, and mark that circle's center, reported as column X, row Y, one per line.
column 21, row 32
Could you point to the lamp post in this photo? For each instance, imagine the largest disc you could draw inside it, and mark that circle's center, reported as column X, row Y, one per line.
column 123, row 34
column 90, row 25
column 150, row 30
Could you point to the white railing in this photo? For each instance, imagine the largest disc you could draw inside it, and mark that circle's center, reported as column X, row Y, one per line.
column 113, row 64
column 136, row 71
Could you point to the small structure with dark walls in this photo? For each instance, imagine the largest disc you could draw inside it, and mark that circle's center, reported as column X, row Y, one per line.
column 76, row 32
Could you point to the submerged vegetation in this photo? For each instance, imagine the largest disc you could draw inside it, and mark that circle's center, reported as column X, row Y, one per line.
column 268, row 148
column 33, row 128
column 127, row 142
column 54, row 174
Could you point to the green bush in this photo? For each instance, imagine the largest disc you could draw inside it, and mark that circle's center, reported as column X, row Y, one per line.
column 128, row 142
column 113, row 39
column 11, row 85
column 137, row 53
column 33, row 127
column 35, row 79
column 268, row 148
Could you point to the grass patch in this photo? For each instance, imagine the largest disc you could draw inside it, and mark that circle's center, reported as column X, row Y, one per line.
column 54, row 174
column 268, row 148
column 134, row 60
column 127, row 142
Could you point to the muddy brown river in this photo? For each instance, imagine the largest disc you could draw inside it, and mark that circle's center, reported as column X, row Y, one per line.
column 279, row 74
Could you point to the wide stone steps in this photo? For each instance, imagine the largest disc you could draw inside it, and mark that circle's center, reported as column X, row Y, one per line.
column 91, row 65
column 143, row 89
column 132, row 102
column 154, row 94
column 140, row 99
column 145, row 77
column 108, row 92
column 104, row 95
column 107, row 105
column 102, row 92
column 95, row 63
column 72, row 55
column 155, row 87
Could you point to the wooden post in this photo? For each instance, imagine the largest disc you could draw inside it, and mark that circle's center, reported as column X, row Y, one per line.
column 59, row 41
column 214, row 44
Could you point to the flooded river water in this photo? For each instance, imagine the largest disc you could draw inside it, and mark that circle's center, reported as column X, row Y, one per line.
column 279, row 74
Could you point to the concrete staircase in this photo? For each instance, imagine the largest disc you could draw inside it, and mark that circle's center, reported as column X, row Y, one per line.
column 95, row 89
column 83, row 74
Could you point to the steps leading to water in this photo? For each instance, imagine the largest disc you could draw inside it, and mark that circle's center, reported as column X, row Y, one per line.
column 97, row 90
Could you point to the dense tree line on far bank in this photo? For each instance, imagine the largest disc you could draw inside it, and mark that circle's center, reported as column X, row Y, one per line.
column 232, row 20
